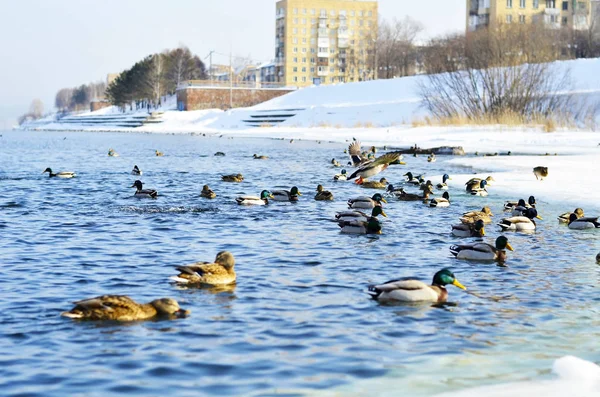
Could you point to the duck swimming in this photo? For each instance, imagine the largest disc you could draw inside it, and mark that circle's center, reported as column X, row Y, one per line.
column 359, row 216
column 442, row 202
column 341, row 176
column 265, row 195
column 566, row 216
column 412, row 290
column 484, row 215
column 64, row 174
column 373, row 184
column 585, row 222
column 136, row 171
column 232, row 178
column 143, row 193
column 261, row 157
column 511, row 205
column 372, row 226
column 482, row 251
column 123, row 308
column 443, row 185
column 335, row 163
column 475, row 183
column 479, row 191
column 475, row 229
column 520, row 223
column 112, row 153
column 366, row 202
column 221, row 272
column 323, row 195
column 431, row 158
column 158, row 154
column 286, row 195
column 207, row 192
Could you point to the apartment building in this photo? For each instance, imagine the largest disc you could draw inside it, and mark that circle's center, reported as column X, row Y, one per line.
column 325, row 41
column 573, row 14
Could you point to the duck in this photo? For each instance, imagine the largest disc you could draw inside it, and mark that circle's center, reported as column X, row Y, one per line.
column 479, row 191
column 540, row 173
column 585, row 222
column 359, row 215
column 123, row 308
column 381, row 184
column 375, row 167
column 443, row 185
column 366, row 202
column 63, row 174
column 411, row 179
column 286, row 195
column 112, row 153
column 484, row 215
column 401, row 195
column 481, row 251
column 520, row 223
column 219, row 154
column 265, row 195
column 323, row 195
column 342, row 176
column 431, row 158
column 522, row 206
column 598, row 258
column 565, row 217
column 442, row 202
column 136, row 171
column 232, row 178
column 356, row 156
column 261, row 157
column 426, row 186
column 158, row 154
column 475, row 229
column 511, row 205
column 221, row 272
column 372, row 226
column 411, row 290
column 335, row 163
column 143, row 193
column 207, row 192
column 475, row 183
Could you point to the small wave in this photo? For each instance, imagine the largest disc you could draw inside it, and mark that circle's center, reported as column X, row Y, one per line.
column 166, row 210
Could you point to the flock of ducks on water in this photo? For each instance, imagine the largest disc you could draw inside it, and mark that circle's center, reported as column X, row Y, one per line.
column 353, row 221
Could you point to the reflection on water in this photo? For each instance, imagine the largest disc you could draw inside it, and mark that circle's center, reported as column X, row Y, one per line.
column 299, row 320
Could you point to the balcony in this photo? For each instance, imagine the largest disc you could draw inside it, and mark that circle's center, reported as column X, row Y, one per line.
column 322, row 73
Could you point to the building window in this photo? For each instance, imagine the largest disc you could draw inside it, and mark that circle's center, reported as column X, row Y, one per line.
column 522, row 19
column 295, row 60
column 332, row 13
column 508, row 3
column 370, row 13
column 313, row 31
column 522, row 3
column 294, row 31
column 312, row 70
column 313, row 41
column 312, row 50
column 304, row 41
column 342, row 13
column 536, row 4
column 313, row 12
column 303, row 30
column 295, row 79
column 304, row 11
column 304, row 79
column 303, row 60
column 304, row 69
column 352, row 13
column 294, row 69
column 550, row 3
column 332, row 69
column 303, row 21
column 509, row 18
column 323, row 13
column 581, row 6
column 369, row 23
column 313, row 20
column 295, row 21
column 295, row 41
column 304, row 50
column 565, row 21
column 331, row 79
column 312, row 60
column 332, row 50
column 360, row 14
column 565, row 6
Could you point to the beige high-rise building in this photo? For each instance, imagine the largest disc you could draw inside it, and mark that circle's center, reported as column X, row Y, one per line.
column 325, row 41
column 573, row 14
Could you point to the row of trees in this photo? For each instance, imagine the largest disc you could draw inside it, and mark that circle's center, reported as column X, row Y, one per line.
column 79, row 98
column 36, row 111
column 155, row 76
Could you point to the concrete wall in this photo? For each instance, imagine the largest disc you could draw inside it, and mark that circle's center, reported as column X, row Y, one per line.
column 219, row 98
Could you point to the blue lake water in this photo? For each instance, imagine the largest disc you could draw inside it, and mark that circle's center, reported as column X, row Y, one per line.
column 299, row 321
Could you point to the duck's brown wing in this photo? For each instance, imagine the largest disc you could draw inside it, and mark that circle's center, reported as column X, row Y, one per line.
column 106, row 302
column 386, row 158
column 354, row 151
column 202, row 268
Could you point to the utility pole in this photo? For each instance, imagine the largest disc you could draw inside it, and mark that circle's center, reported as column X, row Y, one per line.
column 230, row 80
column 210, row 71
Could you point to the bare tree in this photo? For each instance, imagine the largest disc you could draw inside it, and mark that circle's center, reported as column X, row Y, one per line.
column 396, row 49
column 63, row 99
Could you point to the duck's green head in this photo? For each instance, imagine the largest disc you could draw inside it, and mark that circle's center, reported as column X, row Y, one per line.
column 295, row 192
column 521, row 203
column 377, row 210
column 344, row 172
column 409, row 175
column 446, row 195
column 482, row 184
column 390, row 188
column 378, row 198
column 47, row 170
column 373, row 226
column 479, row 226
column 137, row 184
column 265, row 194
column 532, row 213
column 502, row 244
column 445, row 277
column 445, row 178
column 531, row 201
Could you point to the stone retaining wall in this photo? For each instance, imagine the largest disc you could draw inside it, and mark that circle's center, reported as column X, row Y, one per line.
column 219, row 98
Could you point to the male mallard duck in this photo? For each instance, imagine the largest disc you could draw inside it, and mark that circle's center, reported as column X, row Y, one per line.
column 366, row 202
column 401, row 195
column 359, row 215
column 335, row 163
column 412, row 290
column 375, row 167
column 479, row 191
column 475, row 229
column 341, row 176
column 598, row 258
column 323, row 195
column 64, row 174
column 520, row 223
column 431, row 158
column 232, row 178
column 207, row 193
column 566, row 216
column 482, row 251
column 511, row 205
column 265, row 195
column 475, row 183
column 123, row 308
column 442, row 202
column 220, row 272
column 443, row 185
column 473, row 216
column 136, row 171
column 585, row 222
column 286, row 195
column 143, row 193
column 356, row 156
column 373, row 184
column 372, row 226
column 261, row 157
column 219, row 154
column 540, row 172
column 112, row 153
column 522, row 206
column 411, row 179
column 158, row 154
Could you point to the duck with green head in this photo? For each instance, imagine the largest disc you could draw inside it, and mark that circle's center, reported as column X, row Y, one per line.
column 444, row 185
column 342, row 176
column 286, row 195
column 475, row 229
column 372, row 226
column 143, row 193
column 63, row 174
column 482, row 251
column 359, row 215
column 410, row 290
column 511, row 205
column 366, row 202
column 441, row 202
column 480, row 190
column 523, row 223
column 265, row 195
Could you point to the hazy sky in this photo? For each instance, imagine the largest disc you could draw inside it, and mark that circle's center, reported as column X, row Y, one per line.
column 51, row 44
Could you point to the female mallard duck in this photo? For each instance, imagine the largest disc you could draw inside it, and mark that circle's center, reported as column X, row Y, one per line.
column 207, row 192
column 143, row 193
column 158, row 154
column 64, row 174
column 585, row 222
column 475, row 183
column 482, row 251
column 265, row 195
column 123, row 308
column 540, row 172
column 484, row 215
column 335, row 163
column 366, row 202
column 520, row 223
column 286, row 195
column 511, row 205
column 412, row 290
column 375, row 167
column 136, row 171
column 475, row 229
column 372, row 226
column 481, row 190
column 112, row 153
column 220, row 272
column 373, row 184
column 323, row 195
column 261, row 157
column 232, row 178
column 442, row 202
column 443, row 185
column 566, row 216
column 341, row 176
column 426, row 186
column 431, row 158
column 360, row 216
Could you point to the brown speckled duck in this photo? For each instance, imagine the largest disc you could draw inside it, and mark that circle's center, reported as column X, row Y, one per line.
column 207, row 192
column 221, row 272
column 323, row 195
